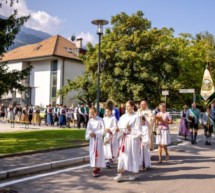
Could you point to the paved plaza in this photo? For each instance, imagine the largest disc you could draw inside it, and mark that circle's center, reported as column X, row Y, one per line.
column 190, row 169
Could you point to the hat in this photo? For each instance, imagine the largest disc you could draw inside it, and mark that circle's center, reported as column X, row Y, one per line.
column 185, row 107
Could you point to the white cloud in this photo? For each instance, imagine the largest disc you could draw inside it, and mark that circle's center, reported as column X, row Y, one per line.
column 87, row 37
column 39, row 20
column 6, row 10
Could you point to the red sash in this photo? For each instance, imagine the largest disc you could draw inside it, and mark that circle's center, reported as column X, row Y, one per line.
column 122, row 147
column 95, row 147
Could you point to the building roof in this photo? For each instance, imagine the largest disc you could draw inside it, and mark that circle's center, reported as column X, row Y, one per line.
column 53, row 46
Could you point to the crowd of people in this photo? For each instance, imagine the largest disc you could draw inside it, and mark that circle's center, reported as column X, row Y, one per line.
column 130, row 138
column 127, row 140
column 192, row 119
column 124, row 134
column 59, row 115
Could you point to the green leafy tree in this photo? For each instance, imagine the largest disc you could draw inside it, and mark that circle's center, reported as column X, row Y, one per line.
column 141, row 61
column 84, row 86
column 209, row 41
column 9, row 27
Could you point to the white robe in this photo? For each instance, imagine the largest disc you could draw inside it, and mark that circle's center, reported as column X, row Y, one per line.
column 96, row 143
column 111, row 144
column 150, row 120
column 129, row 160
column 145, row 149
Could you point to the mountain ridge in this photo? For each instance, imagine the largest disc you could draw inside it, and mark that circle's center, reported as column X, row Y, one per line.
column 27, row 36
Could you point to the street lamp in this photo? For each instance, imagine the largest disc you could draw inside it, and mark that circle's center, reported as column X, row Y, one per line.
column 99, row 23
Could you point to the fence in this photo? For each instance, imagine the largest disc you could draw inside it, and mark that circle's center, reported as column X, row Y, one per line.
column 175, row 115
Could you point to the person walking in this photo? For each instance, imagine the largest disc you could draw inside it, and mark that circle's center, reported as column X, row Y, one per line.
column 163, row 119
column 30, row 113
column 111, row 144
column 145, row 147
column 208, row 123
column 10, row 115
column 183, row 128
column 94, row 133
column 50, row 116
column 62, row 118
column 36, row 116
column 129, row 147
column 193, row 116
column 147, row 113
column 80, row 116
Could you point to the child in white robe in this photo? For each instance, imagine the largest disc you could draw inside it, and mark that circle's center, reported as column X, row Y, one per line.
column 129, row 151
column 94, row 133
column 145, row 147
column 111, row 144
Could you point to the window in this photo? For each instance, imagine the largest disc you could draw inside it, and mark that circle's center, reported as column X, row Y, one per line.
column 54, row 66
column 53, row 83
column 54, row 79
column 54, row 92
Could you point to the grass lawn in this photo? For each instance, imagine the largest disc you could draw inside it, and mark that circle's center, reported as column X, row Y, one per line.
column 25, row 141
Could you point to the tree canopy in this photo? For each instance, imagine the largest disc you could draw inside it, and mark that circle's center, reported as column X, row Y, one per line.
column 141, row 61
column 9, row 28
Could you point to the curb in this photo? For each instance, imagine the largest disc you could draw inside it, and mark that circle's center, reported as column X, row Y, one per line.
column 42, row 167
column 42, row 151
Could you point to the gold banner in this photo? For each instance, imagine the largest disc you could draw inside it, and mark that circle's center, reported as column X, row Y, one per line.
column 207, row 88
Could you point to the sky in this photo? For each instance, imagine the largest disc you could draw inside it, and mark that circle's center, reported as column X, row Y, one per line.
column 73, row 17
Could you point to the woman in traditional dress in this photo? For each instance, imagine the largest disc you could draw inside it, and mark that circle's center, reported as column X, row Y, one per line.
column 24, row 116
column 163, row 120
column 94, row 133
column 50, row 116
column 129, row 151
column 111, row 144
column 18, row 113
column 183, row 128
column 68, row 117
column 36, row 116
column 62, row 118
column 10, row 115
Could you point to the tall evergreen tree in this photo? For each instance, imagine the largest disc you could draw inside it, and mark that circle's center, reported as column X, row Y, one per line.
column 9, row 28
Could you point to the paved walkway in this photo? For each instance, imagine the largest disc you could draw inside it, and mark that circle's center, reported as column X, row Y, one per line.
column 9, row 163
column 190, row 169
column 13, row 162
column 6, row 127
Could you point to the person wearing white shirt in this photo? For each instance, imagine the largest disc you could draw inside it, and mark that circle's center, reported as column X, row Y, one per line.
column 129, row 151
column 94, row 133
column 145, row 147
column 111, row 144
column 150, row 121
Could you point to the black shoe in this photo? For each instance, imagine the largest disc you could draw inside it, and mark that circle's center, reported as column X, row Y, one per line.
column 209, row 143
column 192, row 142
column 195, row 142
column 108, row 165
column 206, row 143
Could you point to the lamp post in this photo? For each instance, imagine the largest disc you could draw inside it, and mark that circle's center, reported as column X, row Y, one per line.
column 99, row 23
